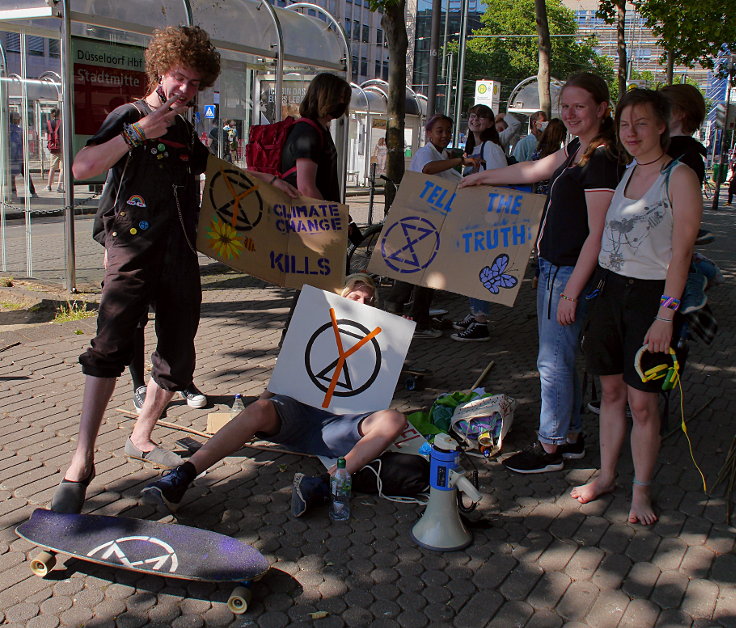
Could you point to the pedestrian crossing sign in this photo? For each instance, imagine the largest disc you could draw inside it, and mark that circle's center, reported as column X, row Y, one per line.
column 209, row 111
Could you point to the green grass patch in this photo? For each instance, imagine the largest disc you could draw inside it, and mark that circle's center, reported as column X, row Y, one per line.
column 73, row 311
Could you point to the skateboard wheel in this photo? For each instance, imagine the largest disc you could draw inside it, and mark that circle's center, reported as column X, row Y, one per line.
column 43, row 563
column 239, row 600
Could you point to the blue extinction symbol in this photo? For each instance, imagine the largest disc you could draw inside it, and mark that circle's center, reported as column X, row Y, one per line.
column 413, row 230
column 494, row 277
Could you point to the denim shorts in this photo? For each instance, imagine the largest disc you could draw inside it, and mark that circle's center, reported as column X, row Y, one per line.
column 311, row 430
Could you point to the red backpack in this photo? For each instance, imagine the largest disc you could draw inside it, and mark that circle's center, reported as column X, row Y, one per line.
column 52, row 143
column 266, row 143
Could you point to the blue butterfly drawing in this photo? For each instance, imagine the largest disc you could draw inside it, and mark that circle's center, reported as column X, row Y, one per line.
column 494, row 276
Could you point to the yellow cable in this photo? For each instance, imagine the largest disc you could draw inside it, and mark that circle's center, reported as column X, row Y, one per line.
column 684, row 431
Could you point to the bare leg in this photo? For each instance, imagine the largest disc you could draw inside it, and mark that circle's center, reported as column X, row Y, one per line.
column 97, row 393
column 259, row 416
column 612, row 434
column 645, row 441
column 378, row 431
column 156, row 401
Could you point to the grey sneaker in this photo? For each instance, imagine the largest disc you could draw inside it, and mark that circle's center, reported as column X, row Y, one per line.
column 158, row 457
column 194, row 397
column 139, row 397
column 427, row 332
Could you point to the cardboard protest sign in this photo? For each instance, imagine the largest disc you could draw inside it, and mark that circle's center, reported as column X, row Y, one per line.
column 341, row 355
column 255, row 228
column 475, row 241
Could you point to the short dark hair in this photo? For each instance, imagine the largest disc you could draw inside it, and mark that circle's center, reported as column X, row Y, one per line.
column 689, row 101
column 435, row 119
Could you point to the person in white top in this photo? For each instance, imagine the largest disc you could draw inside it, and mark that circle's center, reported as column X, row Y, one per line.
column 484, row 144
column 646, row 247
column 508, row 127
column 432, row 158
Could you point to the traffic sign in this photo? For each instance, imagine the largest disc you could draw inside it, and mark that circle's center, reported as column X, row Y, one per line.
column 209, row 111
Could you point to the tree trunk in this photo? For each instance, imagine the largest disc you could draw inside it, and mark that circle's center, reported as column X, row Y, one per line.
column 621, row 45
column 545, row 100
column 670, row 70
column 395, row 28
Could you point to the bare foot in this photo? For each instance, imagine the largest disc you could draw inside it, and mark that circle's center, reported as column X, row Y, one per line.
column 641, row 506
column 592, row 490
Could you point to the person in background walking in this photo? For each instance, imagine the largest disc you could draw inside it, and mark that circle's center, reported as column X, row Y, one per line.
column 16, row 156
column 54, row 144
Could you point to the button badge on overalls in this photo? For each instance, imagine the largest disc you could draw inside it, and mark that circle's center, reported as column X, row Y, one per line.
column 133, row 231
column 143, row 225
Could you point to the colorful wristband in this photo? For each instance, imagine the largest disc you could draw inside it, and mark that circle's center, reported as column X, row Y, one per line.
column 566, row 298
column 669, row 302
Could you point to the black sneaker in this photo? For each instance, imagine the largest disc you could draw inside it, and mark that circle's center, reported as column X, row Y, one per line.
column 534, row 460
column 463, row 324
column 306, row 492
column 573, row 451
column 195, row 398
column 139, row 397
column 475, row 332
column 169, row 490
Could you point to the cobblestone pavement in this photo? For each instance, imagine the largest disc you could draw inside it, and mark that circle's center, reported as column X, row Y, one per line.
column 538, row 557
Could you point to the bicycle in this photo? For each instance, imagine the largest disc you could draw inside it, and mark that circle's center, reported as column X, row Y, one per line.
column 359, row 253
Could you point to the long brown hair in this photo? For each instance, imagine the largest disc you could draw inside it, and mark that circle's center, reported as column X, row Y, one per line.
column 488, row 135
column 598, row 90
column 552, row 138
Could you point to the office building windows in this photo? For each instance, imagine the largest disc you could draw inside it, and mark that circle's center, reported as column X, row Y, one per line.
column 366, row 34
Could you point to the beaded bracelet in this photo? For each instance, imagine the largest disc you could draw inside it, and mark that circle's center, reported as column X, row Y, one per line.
column 669, row 302
column 566, row 298
column 133, row 134
column 661, row 318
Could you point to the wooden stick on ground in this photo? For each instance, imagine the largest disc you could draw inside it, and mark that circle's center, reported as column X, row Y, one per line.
column 482, row 376
column 190, row 430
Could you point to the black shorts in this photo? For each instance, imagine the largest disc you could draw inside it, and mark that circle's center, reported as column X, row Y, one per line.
column 618, row 320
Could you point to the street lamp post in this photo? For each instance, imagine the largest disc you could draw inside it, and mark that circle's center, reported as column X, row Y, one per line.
column 731, row 70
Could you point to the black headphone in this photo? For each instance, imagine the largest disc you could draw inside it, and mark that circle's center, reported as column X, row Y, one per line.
column 669, row 372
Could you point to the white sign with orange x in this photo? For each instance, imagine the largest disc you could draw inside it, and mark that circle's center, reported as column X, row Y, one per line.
column 341, row 355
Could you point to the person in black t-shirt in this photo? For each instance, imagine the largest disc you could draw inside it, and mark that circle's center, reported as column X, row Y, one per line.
column 687, row 112
column 309, row 146
column 583, row 177
column 149, row 212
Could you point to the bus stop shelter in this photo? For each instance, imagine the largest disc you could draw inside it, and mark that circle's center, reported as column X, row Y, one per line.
column 99, row 59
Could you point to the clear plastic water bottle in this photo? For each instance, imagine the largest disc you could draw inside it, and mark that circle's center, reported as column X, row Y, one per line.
column 238, row 405
column 340, row 487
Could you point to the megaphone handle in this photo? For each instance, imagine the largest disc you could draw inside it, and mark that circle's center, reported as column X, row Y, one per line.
column 466, row 486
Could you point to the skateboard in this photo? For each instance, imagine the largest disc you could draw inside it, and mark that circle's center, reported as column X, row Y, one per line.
column 150, row 547
column 415, row 377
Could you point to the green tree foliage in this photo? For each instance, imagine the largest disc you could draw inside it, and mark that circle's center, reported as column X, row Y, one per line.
column 692, row 32
column 511, row 60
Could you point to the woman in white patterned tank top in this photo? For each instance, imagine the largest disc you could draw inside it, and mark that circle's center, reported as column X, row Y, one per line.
column 645, row 254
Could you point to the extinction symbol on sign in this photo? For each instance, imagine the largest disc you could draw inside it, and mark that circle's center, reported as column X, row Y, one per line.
column 238, row 201
column 336, row 378
column 406, row 259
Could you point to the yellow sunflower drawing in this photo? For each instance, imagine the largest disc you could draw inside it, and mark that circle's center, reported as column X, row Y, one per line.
column 225, row 239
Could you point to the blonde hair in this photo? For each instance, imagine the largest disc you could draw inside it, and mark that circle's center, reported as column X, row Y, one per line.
column 360, row 279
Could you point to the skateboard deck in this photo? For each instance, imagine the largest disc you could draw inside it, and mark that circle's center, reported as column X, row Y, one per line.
column 162, row 549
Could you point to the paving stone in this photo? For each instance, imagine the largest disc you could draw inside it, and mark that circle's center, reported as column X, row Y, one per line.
column 577, row 601
column 639, row 613
column 641, row 580
column 584, row 562
column 43, row 621
column 608, row 609
column 548, row 590
column 477, row 610
column 670, row 588
column 700, row 599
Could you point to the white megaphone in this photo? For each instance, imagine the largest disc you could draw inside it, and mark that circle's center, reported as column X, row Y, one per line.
column 440, row 527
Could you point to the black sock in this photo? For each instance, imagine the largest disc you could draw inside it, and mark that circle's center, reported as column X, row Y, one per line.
column 189, row 470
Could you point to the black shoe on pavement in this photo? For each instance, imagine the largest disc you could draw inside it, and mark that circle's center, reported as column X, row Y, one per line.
column 195, row 398
column 465, row 323
column 475, row 332
column 573, row 451
column 170, row 489
column 308, row 491
column 534, row 460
